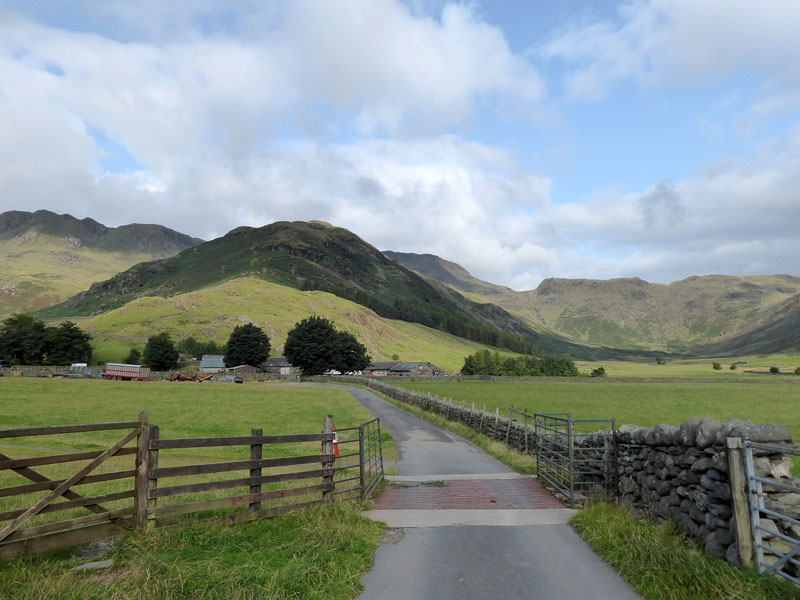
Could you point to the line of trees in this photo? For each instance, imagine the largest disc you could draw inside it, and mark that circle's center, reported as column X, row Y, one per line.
column 484, row 362
column 26, row 340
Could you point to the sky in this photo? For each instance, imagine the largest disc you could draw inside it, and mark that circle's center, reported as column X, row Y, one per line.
column 657, row 139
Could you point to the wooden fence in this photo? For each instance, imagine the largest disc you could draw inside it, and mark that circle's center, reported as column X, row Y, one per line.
column 302, row 475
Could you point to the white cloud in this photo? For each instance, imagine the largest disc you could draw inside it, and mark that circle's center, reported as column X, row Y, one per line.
column 663, row 42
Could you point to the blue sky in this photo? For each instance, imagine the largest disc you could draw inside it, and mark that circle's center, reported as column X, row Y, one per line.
column 650, row 138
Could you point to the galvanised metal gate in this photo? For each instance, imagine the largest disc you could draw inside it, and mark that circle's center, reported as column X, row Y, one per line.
column 574, row 463
column 777, row 552
column 368, row 460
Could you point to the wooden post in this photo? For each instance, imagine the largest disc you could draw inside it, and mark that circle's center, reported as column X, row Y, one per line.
column 741, row 506
column 607, row 462
column 510, row 419
column 152, row 463
column 361, row 467
column 526, row 433
column 327, row 463
column 255, row 454
column 140, row 480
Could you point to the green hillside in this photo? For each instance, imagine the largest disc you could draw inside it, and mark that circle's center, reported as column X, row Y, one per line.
column 317, row 256
column 705, row 315
column 213, row 312
column 46, row 258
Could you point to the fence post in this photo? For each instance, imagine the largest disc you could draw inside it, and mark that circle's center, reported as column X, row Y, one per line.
column 607, row 463
column 510, row 419
column 741, row 505
column 327, row 463
column 152, row 483
column 256, row 451
column 361, row 474
column 140, row 481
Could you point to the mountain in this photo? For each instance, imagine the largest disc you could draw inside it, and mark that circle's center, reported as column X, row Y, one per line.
column 211, row 313
column 710, row 315
column 46, row 258
column 318, row 256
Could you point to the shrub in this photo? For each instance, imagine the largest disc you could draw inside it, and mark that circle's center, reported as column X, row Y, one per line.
column 774, row 370
column 716, row 366
column 598, row 372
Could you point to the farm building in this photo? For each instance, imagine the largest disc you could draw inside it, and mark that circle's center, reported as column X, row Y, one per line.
column 240, row 369
column 277, row 365
column 402, row 369
column 212, row 363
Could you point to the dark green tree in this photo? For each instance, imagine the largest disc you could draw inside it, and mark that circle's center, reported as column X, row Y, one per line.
column 598, row 372
column 352, row 354
column 716, row 366
column 134, row 356
column 247, row 345
column 67, row 344
column 23, row 339
column 314, row 346
column 160, row 353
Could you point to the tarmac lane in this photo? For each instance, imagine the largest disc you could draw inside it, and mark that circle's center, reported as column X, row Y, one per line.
column 467, row 527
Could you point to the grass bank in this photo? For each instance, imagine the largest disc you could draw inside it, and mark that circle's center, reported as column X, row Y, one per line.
column 312, row 554
column 661, row 565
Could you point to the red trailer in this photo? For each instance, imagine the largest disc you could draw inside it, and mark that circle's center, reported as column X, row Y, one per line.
column 118, row 371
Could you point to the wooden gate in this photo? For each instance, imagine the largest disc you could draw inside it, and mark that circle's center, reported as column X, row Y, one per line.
column 111, row 502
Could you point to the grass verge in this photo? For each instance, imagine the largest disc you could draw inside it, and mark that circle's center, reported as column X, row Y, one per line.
column 310, row 554
column 661, row 565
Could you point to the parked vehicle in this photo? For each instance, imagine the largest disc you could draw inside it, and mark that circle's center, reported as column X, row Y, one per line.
column 123, row 372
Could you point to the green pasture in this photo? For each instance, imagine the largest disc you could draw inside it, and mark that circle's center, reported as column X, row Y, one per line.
column 640, row 403
column 285, row 557
column 701, row 367
column 181, row 410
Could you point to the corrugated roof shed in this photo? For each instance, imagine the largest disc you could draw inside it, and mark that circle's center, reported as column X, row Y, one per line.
column 212, row 361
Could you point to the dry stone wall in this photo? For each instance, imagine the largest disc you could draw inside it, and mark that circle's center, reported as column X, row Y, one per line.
column 664, row 473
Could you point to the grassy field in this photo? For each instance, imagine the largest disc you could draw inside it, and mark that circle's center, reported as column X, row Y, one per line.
column 285, row 556
column 644, row 404
column 701, row 367
column 212, row 313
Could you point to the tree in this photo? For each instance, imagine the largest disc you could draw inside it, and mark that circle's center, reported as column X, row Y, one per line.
column 797, row 371
column 67, row 344
column 23, row 339
column 774, row 370
column 160, row 353
column 598, row 372
column 314, row 346
column 352, row 354
column 247, row 345
column 716, row 366
column 134, row 356
column 733, row 366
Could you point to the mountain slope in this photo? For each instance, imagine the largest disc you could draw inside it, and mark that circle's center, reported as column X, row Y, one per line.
column 319, row 256
column 46, row 258
column 212, row 312
column 692, row 315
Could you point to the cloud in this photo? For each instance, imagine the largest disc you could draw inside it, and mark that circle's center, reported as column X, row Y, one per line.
column 667, row 42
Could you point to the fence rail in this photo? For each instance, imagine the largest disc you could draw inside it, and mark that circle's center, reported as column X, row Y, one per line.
column 149, row 495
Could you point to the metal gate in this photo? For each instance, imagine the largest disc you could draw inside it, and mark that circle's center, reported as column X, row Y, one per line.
column 576, row 464
column 368, row 460
column 777, row 552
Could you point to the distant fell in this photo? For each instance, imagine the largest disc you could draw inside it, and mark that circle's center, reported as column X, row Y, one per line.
column 317, row 256
column 46, row 258
column 155, row 241
column 700, row 314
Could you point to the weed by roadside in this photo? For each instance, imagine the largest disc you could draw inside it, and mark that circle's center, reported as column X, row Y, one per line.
column 661, row 565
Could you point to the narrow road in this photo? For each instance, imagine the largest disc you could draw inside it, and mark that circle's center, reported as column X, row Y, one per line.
column 471, row 528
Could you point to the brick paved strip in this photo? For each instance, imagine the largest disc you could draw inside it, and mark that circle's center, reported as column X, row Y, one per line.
column 467, row 494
